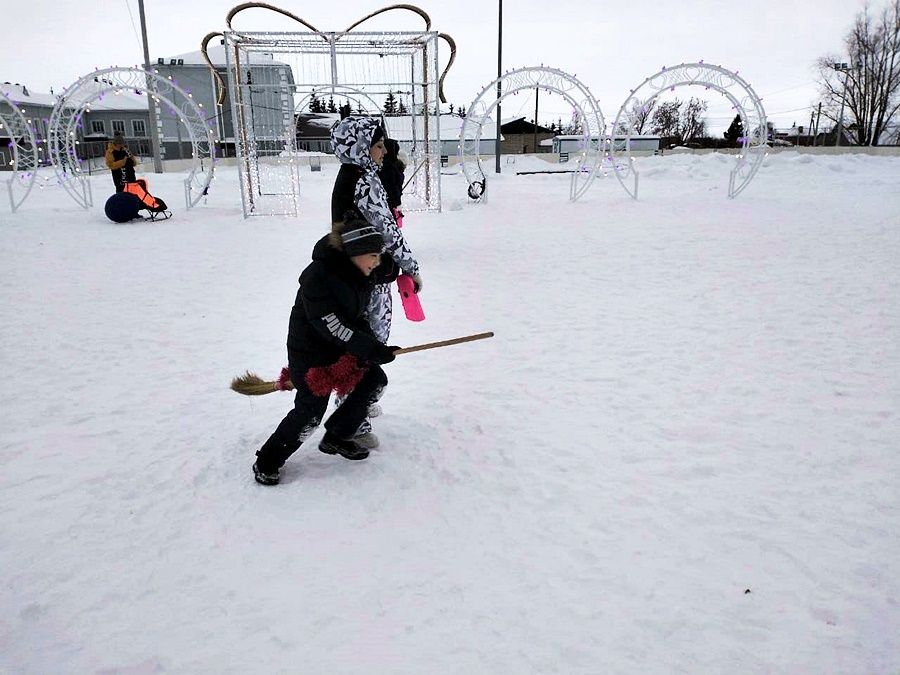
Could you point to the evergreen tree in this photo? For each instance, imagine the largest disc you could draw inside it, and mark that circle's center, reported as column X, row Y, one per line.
column 315, row 105
column 345, row 110
column 735, row 131
column 390, row 104
column 461, row 111
column 401, row 109
column 332, row 108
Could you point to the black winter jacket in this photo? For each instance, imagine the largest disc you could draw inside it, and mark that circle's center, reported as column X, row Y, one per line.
column 392, row 178
column 342, row 195
column 327, row 319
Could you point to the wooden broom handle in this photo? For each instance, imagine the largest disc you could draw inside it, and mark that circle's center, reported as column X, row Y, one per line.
column 444, row 343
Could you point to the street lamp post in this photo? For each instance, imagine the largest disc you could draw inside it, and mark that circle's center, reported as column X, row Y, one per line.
column 499, row 62
column 845, row 68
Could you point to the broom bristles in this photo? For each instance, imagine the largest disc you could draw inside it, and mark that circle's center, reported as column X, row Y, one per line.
column 251, row 384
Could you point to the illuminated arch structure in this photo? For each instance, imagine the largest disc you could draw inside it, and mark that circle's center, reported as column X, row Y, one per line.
column 729, row 84
column 352, row 64
column 585, row 107
column 23, row 146
column 67, row 114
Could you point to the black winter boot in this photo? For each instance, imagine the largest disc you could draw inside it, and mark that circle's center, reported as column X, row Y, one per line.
column 270, row 458
column 332, row 445
column 270, row 478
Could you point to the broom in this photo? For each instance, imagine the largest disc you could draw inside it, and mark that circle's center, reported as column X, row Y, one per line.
column 340, row 376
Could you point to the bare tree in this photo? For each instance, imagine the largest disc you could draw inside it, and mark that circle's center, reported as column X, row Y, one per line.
column 639, row 114
column 681, row 120
column 692, row 125
column 666, row 119
column 574, row 127
column 869, row 89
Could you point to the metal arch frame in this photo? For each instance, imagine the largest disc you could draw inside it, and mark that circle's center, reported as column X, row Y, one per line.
column 70, row 108
column 425, row 179
column 553, row 81
column 430, row 178
column 237, row 9
column 24, row 146
column 749, row 107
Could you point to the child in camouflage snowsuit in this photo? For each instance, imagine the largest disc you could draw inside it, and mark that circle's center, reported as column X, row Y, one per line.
column 358, row 143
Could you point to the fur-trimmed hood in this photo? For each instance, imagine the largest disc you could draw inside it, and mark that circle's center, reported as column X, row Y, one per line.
column 351, row 139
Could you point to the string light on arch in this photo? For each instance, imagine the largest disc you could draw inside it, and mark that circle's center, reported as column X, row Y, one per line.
column 76, row 100
column 727, row 83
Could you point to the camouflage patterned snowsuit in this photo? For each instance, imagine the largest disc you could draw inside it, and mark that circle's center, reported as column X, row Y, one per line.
column 351, row 139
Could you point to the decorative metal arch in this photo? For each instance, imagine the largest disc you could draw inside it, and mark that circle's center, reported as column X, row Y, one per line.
column 237, row 9
column 727, row 83
column 24, row 146
column 77, row 98
column 587, row 110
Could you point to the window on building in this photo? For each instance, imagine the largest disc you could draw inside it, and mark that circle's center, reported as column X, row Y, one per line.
column 118, row 126
column 98, row 127
column 138, row 128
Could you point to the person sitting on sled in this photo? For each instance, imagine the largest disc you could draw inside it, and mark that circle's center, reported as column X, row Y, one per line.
column 359, row 144
column 327, row 323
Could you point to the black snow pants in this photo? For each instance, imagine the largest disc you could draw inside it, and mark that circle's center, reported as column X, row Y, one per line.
column 300, row 423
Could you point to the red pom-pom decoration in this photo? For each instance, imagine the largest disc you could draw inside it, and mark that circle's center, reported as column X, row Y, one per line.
column 341, row 376
column 346, row 374
column 284, row 380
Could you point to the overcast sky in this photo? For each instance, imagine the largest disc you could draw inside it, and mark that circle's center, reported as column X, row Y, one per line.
column 611, row 47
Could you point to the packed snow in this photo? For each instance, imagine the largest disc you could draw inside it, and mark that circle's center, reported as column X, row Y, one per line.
column 680, row 453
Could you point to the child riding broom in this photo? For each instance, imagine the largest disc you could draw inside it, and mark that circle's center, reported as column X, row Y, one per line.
column 327, row 332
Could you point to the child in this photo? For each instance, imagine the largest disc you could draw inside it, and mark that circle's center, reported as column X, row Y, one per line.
column 359, row 144
column 327, row 322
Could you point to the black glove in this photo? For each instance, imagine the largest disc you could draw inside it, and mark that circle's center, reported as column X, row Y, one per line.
column 384, row 353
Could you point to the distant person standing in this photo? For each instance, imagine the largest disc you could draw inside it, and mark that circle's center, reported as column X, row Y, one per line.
column 120, row 162
column 391, row 173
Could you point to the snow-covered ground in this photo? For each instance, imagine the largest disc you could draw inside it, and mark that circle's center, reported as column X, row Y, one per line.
column 679, row 454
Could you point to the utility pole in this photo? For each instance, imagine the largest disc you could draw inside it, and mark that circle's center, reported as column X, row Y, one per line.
column 818, row 116
column 839, row 130
column 151, row 104
column 499, row 74
column 814, row 128
column 534, row 138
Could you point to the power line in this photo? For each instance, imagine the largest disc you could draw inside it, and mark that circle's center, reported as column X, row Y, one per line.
column 133, row 26
column 780, row 91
